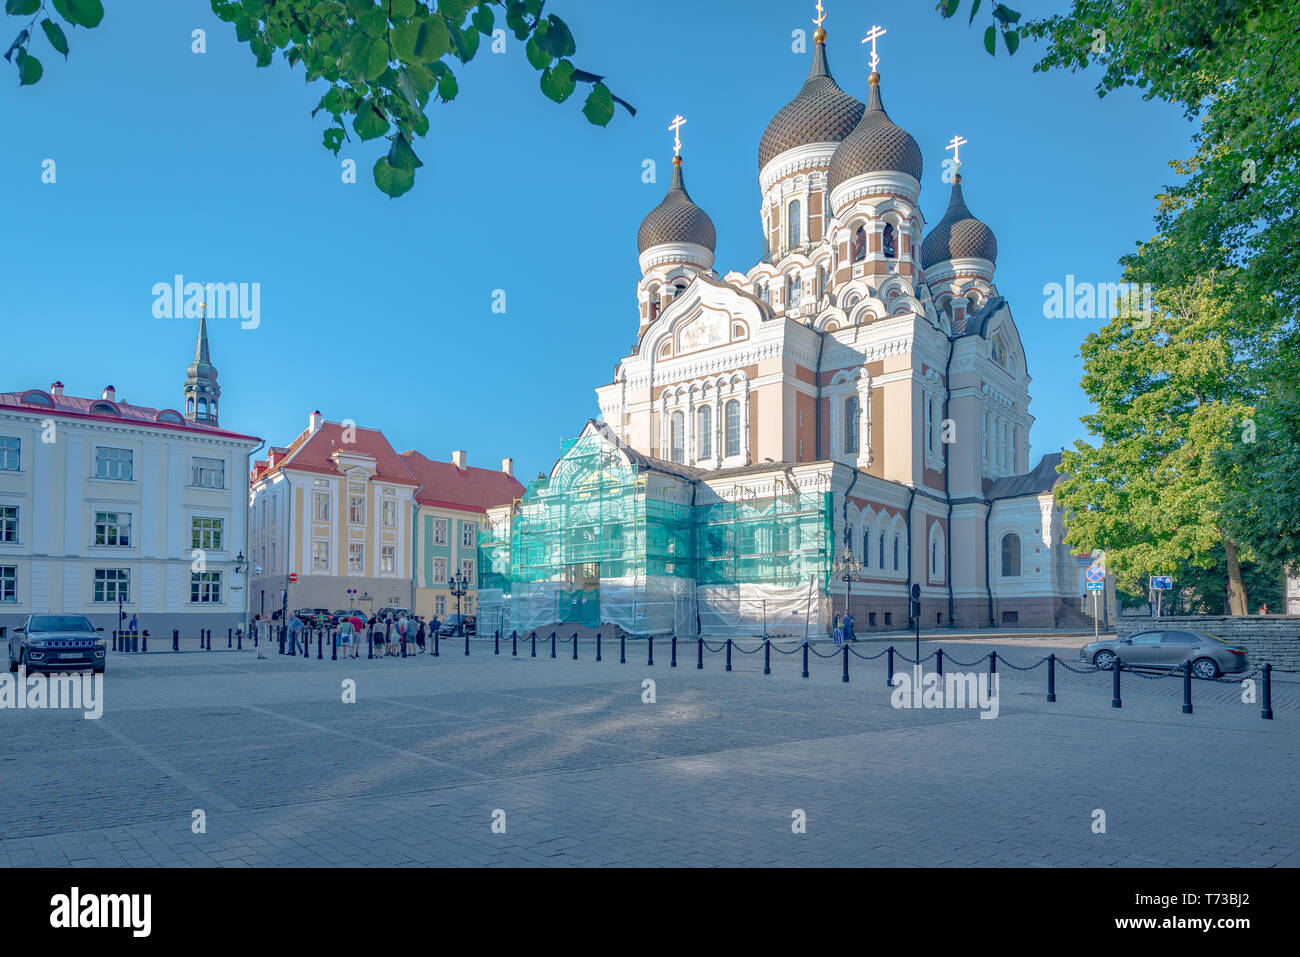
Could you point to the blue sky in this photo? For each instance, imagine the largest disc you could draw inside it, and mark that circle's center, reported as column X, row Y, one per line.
column 380, row 310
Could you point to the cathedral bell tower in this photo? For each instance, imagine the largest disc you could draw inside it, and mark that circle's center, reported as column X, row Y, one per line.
column 201, row 389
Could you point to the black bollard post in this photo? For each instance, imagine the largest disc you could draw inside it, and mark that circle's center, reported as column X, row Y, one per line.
column 767, row 656
column 889, row 678
column 144, row 641
column 208, row 632
column 1051, row 677
column 845, row 676
column 552, row 644
column 805, row 657
column 115, row 639
column 1187, row 687
column 938, row 658
column 496, row 642
column 650, row 648
column 514, row 643
column 466, row 643
column 282, row 639
column 239, row 641
column 575, row 646
column 370, row 645
column 334, row 646
column 728, row 654
column 1266, row 705
column 320, row 648
column 176, row 639
column 135, row 641
column 674, row 659
column 230, row 638
column 1117, row 667
column 993, row 664
column 598, row 646
column 534, row 639
column 699, row 661
column 435, row 644
column 622, row 649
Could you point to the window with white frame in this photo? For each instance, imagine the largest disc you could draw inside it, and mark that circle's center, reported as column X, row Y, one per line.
column 794, row 222
column 440, row 531
column 320, row 556
column 852, row 425
column 390, row 514
column 704, row 432
column 112, row 585
column 467, row 603
column 8, row 524
column 205, row 588
column 320, row 506
column 115, row 464
column 929, row 423
column 208, row 473
column 207, row 533
column 936, row 554
column 731, row 415
column 10, row 453
column 440, row 605
column 439, row 570
column 388, row 558
column 8, row 584
column 356, row 557
column 467, row 569
column 113, row 529
column 677, row 437
column 468, row 534
column 357, row 509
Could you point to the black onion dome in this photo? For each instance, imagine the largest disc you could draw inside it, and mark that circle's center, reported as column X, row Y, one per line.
column 677, row 219
column 876, row 145
column 820, row 113
column 959, row 235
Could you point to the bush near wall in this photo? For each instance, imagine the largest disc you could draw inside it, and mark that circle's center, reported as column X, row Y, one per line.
column 1271, row 638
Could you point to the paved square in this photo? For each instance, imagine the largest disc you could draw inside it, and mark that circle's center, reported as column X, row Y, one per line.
column 712, row 773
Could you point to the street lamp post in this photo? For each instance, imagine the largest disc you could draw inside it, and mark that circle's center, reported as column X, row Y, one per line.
column 459, row 586
column 845, row 567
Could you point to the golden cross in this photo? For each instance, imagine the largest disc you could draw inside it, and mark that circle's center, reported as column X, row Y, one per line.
column 876, row 33
column 676, row 127
column 821, row 14
column 955, row 144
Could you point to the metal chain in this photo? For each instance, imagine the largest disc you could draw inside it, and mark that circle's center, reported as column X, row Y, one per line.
column 910, row 661
column 853, row 651
column 962, row 664
column 1038, row 663
column 744, row 652
column 820, row 655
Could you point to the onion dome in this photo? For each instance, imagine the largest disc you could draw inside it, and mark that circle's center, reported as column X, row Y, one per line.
column 959, row 235
column 677, row 219
column 821, row 113
column 876, row 145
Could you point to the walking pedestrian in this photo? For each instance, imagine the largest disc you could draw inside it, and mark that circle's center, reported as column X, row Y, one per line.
column 134, row 626
column 261, row 634
column 419, row 634
column 295, row 635
column 837, row 633
column 848, row 628
column 345, row 636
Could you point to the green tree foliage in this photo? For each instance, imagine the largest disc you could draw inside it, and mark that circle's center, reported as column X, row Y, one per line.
column 1233, row 66
column 380, row 61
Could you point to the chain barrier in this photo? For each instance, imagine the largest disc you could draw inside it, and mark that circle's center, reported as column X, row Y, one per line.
column 964, row 664
column 720, row 647
column 744, row 652
column 1078, row 671
column 793, row 651
column 853, row 651
column 1038, row 664
column 899, row 654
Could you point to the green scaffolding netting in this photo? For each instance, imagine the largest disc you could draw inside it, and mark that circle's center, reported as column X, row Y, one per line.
column 602, row 540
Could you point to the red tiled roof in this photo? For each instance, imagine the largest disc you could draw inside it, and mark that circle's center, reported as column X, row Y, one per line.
column 312, row 451
column 75, row 407
column 475, row 489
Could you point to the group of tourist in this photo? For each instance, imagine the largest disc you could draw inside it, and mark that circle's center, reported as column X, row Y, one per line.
column 843, row 630
column 396, row 636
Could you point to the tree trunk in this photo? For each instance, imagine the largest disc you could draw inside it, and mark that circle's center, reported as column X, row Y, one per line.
column 1236, row 587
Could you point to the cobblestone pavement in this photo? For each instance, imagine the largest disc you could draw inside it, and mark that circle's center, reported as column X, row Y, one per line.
column 586, row 773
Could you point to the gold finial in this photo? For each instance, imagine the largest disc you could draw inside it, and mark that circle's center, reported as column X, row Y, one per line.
column 875, row 34
column 819, row 35
column 676, row 127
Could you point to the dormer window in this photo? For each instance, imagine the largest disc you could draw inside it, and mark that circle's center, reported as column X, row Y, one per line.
column 103, row 408
column 887, row 241
column 36, row 397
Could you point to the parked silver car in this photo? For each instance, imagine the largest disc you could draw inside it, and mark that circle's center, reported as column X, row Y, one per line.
column 1165, row 649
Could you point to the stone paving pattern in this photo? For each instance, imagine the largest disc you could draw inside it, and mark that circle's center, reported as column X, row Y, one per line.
column 588, row 774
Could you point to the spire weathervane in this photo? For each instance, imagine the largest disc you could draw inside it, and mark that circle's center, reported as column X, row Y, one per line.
column 955, row 144
column 676, row 127
column 875, row 34
column 821, row 15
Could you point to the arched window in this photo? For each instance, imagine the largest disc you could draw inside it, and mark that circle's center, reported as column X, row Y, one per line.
column 852, row 424
column 866, row 547
column 654, row 303
column 731, row 415
column 793, row 223
column 936, row 554
column 704, row 431
column 677, row 437
column 203, row 406
column 860, row 244
column 895, row 553
column 821, row 281
column 1011, row 555
column 882, row 551
column 189, row 405
column 793, row 290
column 998, row 351
column 887, row 241
column 764, row 293
column 929, row 423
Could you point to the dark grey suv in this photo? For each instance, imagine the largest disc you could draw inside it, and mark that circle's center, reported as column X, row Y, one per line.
column 56, row 643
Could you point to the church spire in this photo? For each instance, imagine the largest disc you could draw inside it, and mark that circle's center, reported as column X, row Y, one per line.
column 201, row 389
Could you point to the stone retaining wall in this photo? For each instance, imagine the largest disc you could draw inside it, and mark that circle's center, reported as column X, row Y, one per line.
column 1271, row 638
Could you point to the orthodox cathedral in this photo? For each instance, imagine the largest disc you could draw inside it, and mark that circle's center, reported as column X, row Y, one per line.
column 847, row 418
